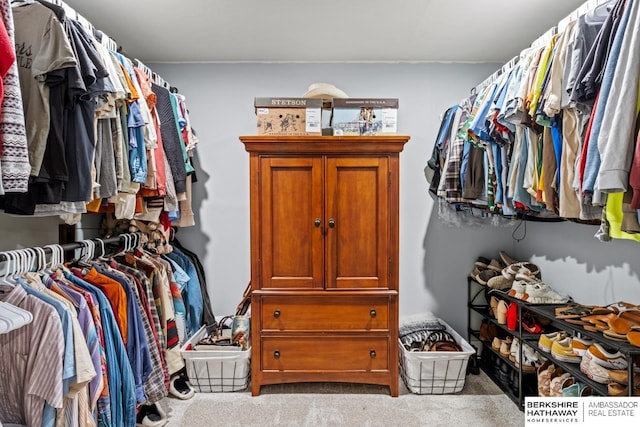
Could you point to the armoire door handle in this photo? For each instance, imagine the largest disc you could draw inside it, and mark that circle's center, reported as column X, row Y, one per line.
column 317, row 222
column 332, row 222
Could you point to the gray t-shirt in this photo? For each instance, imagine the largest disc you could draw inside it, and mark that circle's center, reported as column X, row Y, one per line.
column 593, row 38
column 41, row 47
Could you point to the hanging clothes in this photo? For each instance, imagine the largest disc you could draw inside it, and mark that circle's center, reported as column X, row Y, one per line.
column 568, row 129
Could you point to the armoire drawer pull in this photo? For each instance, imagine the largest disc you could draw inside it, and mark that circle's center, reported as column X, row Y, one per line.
column 372, row 353
column 373, row 313
column 276, row 314
column 276, row 354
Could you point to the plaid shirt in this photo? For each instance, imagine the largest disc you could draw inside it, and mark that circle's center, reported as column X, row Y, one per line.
column 154, row 386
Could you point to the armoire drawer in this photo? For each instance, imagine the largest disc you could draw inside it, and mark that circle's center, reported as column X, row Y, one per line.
column 325, row 313
column 325, row 353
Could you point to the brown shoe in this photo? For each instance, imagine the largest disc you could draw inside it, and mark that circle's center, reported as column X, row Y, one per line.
column 622, row 376
column 485, row 275
column 508, row 260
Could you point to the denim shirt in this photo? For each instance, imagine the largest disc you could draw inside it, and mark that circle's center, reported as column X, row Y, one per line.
column 121, row 382
column 193, row 295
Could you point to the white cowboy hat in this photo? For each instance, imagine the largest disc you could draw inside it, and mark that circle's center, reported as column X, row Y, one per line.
column 324, row 90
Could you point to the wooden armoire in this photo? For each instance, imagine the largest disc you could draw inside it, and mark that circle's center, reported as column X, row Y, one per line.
column 324, row 259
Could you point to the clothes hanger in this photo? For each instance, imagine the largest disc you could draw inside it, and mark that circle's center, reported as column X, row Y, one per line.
column 9, row 267
column 18, row 3
column 13, row 317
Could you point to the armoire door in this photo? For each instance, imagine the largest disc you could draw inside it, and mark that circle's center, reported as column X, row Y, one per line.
column 291, row 225
column 357, row 217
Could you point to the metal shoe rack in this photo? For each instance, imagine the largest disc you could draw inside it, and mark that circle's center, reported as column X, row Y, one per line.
column 626, row 349
column 478, row 307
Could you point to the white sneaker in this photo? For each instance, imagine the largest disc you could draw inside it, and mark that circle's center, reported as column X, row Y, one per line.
column 605, row 359
column 541, row 293
column 518, row 289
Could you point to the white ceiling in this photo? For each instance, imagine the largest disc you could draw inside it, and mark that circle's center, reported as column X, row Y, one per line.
column 324, row 30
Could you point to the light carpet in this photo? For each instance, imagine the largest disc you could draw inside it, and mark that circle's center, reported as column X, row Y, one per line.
column 480, row 403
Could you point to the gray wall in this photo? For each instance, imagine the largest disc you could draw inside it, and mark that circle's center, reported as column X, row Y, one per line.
column 435, row 256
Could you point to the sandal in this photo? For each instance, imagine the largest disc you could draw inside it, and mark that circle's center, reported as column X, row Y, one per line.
column 634, row 338
column 572, row 311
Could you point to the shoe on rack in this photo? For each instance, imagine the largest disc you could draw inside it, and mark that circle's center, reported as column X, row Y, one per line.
column 512, row 316
column 558, row 383
column 545, row 372
column 581, row 345
column 481, row 262
column 518, row 290
column 502, row 310
column 530, row 359
column 483, row 332
column 541, row 293
column 505, row 346
column 491, row 331
column 606, row 359
column 513, row 382
column 500, row 282
column 530, row 323
column 151, row 416
column 507, row 259
column 514, row 350
column 496, row 265
column 179, row 387
column 496, row 343
column 503, row 374
column 484, row 276
column 577, row 389
column 563, row 351
column 597, row 373
column 546, row 340
column 493, row 306
column 622, row 376
column 526, row 270
column 634, row 338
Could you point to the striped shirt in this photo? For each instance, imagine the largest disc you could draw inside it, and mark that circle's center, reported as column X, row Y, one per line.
column 30, row 361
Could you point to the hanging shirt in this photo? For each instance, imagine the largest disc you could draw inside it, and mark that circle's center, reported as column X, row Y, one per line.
column 121, row 382
column 170, row 138
column 31, row 360
column 619, row 97
column 154, row 387
column 14, row 156
column 103, row 403
column 617, row 132
column 41, row 48
column 90, row 336
column 115, row 294
column 137, row 345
